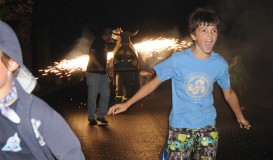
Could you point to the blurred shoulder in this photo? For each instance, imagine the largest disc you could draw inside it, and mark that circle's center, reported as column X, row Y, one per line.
column 218, row 58
column 41, row 106
column 182, row 54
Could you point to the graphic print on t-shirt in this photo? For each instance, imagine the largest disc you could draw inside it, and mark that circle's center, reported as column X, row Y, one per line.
column 13, row 144
column 198, row 85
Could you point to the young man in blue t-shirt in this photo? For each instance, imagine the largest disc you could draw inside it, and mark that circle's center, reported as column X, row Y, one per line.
column 193, row 73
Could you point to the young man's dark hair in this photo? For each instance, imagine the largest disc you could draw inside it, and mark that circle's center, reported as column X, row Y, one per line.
column 202, row 17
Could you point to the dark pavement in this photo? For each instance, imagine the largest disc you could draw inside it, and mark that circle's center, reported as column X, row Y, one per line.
column 140, row 133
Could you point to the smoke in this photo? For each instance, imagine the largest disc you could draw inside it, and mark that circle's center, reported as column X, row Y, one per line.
column 81, row 45
column 153, row 53
column 247, row 30
column 172, row 33
column 247, row 27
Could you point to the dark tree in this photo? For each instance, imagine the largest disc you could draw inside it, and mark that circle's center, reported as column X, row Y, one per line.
column 18, row 14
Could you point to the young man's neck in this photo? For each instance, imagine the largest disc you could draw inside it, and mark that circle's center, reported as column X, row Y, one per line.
column 199, row 54
column 4, row 90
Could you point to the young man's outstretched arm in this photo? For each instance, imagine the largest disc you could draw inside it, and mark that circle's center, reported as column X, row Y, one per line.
column 233, row 102
column 141, row 93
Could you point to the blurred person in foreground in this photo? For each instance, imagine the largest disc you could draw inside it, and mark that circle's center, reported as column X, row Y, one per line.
column 30, row 128
column 192, row 127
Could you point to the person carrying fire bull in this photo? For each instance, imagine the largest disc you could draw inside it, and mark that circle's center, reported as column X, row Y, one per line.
column 125, row 65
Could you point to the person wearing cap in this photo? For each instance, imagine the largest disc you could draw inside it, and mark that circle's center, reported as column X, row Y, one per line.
column 30, row 128
column 97, row 79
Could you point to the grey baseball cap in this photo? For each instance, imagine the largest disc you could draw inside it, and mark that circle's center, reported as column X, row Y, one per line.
column 9, row 44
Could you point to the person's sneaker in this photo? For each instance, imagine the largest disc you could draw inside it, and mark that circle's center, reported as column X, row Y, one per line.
column 92, row 122
column 102, row 122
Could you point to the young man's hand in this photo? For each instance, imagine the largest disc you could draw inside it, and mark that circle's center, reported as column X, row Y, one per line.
column 244, row 124
column 118, row 108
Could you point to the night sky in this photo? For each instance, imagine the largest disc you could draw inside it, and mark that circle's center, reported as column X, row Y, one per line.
column 57, row 25
column 143, row 15
column 246, row 27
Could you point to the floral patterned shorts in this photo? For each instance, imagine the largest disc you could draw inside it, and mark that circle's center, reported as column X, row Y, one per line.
column 182, row 142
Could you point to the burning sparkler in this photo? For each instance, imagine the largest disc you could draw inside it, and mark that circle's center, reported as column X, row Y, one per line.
column 161, row 44
column 65, row 67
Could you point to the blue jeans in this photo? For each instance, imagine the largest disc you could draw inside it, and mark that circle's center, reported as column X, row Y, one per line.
column 97, row 83
column 164, row 155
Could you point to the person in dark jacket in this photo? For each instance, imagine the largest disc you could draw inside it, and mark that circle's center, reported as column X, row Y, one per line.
column 97, row 79
column 30, row 128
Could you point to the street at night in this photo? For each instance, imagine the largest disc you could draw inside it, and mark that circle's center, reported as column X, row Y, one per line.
column 140, row 133
column 191, row 48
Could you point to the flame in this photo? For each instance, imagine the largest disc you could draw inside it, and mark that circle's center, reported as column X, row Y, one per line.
column 110, row 55
column 161, row 44
column 66, row 67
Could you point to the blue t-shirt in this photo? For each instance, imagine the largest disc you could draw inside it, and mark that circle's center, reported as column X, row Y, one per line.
column 192, row 86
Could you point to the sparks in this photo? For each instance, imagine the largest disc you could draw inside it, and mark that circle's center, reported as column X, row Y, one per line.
column 110, row 55
column 66, row 67
column 160, row 44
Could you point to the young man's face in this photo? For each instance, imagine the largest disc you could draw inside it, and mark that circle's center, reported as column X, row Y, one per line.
column 6, row 75
column 205, row 38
